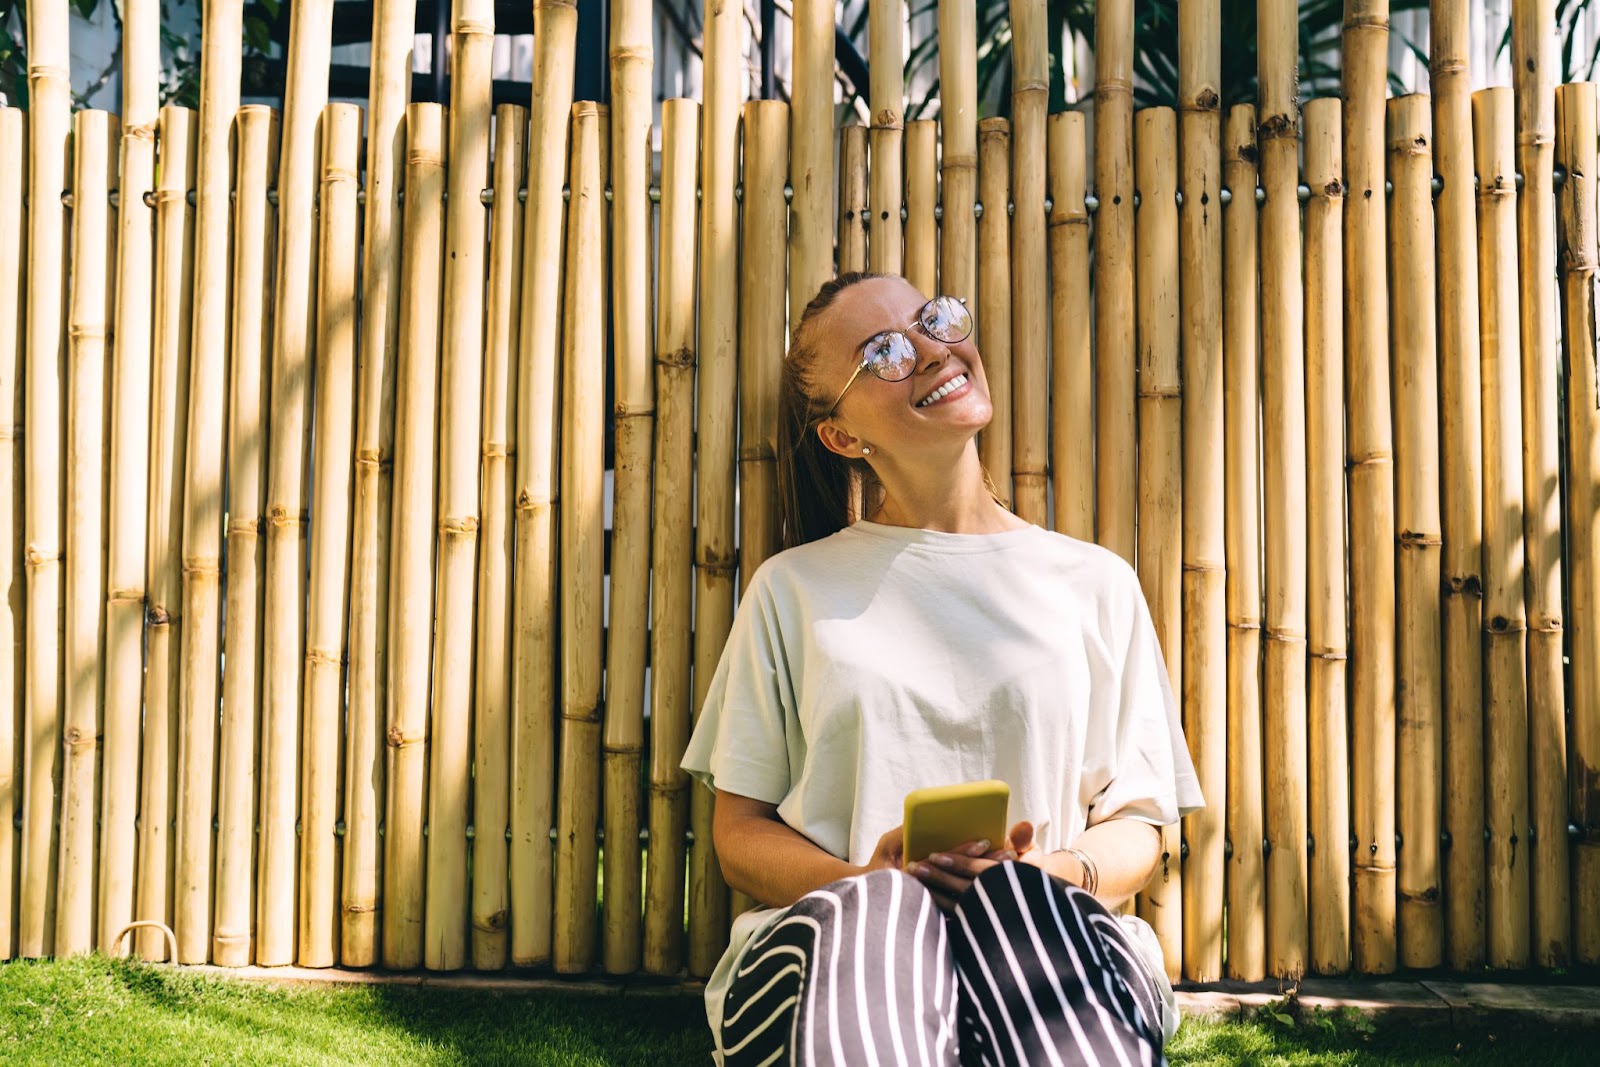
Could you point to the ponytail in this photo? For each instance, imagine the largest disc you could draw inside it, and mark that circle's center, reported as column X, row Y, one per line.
column 818, row 489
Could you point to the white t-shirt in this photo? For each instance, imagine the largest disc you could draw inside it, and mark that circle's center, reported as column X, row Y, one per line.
column 884, row 659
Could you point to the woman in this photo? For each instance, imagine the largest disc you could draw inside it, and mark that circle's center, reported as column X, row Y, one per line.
column 939, row 640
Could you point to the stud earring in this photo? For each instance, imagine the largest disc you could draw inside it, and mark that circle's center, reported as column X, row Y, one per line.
column 866, row 450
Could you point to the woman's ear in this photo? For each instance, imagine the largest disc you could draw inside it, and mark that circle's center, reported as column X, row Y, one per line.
column 838, row 440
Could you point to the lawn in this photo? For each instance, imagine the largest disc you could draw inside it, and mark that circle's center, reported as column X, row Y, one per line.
column 95, row 1011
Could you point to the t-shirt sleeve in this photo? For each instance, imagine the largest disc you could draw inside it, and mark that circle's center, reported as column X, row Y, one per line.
column 739, row 743
column 1152, row 777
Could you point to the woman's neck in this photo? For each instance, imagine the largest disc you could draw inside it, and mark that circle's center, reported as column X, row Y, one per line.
column 938, row 497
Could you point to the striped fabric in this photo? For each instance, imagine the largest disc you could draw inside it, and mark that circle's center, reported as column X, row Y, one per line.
column 867, row 972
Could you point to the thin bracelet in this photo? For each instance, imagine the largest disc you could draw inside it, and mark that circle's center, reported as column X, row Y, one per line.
column 1091, row 873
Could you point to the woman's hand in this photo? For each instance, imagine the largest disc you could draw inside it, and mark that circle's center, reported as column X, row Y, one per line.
column 890, row 851
column 948, row 874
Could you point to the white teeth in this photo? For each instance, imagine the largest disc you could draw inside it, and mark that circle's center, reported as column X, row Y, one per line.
column 944, row 390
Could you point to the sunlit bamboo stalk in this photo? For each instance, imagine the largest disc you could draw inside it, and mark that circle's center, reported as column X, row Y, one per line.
column 922, row 229
column 582, row 530
column 1160, row 461
column 1030, row 274
column 1504, row 622
column 1575, row 151
column 1115, row 434
column 538, row 399
column 255, row 255
column 1071, row 320
column 293, row 352
column 13, row 618
column 1283, row 424
column 203, row 495
column 1241, row 375
column 1327, row 735
column 1205, row 619
column 1535, row 66
column 43, row 382
column 491, row 728
column 887, row 88
column 852, row 198
column 411, row 537
column 994, row 299
column 1461, row 457
column 393, row 37
column 328, row 608
column 810, row 145
column 672, row 541
column 92, row 249
column 633, row 422
column 715, row 560
column 958, row 149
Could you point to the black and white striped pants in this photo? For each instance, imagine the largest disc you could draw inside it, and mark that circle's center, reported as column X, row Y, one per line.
column 867, row 972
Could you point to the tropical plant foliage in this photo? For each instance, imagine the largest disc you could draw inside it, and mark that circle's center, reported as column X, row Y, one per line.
column 180, row 53
column 1155, row 35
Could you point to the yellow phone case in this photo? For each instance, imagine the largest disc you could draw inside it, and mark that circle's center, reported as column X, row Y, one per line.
column 942, row 817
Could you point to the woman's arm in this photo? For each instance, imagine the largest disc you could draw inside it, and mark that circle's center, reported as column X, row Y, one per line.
column 1124, row 851
column 761, row 856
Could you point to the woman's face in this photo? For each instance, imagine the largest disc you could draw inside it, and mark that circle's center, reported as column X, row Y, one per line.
column 895, row 417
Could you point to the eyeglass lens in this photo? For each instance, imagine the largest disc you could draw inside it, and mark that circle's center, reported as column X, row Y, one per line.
column 893, row 357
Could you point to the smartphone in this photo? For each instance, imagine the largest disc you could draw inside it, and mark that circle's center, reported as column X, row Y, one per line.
column 943, row 817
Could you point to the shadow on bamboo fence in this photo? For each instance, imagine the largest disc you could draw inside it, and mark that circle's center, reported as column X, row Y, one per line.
column 389, row 476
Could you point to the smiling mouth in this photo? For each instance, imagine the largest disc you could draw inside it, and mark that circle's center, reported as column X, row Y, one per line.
column 943, row 391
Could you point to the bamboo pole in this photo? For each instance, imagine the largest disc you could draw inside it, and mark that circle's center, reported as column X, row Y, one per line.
column 852, row 198
column 671, row 549
column 1327, row 750
column 254, row 256
column 538, row 400
column 887, row 88
column 329, row 602
column 169, row 400
column 491, row 752
column 761, row 334
column 714, row 558
column 49, row 129
column 93, row 134
column 1160, row 537
column 582, row 529
column 1575, row 146
column 1030, row 271
column 1535, row 67
column 958, row 157
column 460, row 449
column 1246, row 887
column 1205, row 619
column 1284, row 496
column 994, row 298
column 203, row 466
column 13, row 292
column 1071, row 355
column 1416, row 425
column 1241, row 375
column 1115, row 433
column 922, row 196
column 1371, row 486
column 293, row 348
column 810, row 149
column 1461, row 454
column 627, row 642
column 393, row 26
column 1504, row 622
column 129, row 505
column 411, row 537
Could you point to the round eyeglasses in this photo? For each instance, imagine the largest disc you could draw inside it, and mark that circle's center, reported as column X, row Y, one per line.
column 892, row 356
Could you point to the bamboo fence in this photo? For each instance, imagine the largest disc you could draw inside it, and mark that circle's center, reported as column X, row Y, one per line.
column 331, row 640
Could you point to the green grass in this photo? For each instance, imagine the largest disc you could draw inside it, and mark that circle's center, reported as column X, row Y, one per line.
column 96, row 1011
